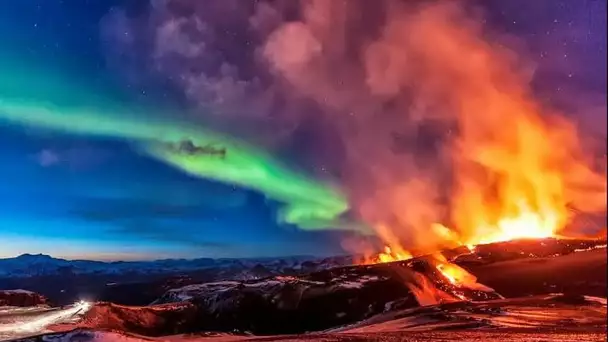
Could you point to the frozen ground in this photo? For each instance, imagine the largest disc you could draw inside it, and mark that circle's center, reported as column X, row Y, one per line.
column 529, row 313
column 541, row 318
column 19, row 322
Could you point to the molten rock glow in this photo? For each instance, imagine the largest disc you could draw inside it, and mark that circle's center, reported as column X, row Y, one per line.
column 457, row 275
column 389, row 255
column 517, row 168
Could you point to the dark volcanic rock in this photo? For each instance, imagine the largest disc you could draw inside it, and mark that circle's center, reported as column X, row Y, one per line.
column 21, row 298
column 525, row 248
column 345, row 295
column 283, row 305
column 581, row 270
column 288, row 305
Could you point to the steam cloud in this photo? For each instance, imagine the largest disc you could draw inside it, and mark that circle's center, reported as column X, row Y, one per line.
column 406, row 100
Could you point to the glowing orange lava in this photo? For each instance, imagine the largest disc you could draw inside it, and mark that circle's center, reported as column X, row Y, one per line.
column 389, row 255
column 457, row 275
column 453, row 273
column 526, row 224
column 517, row 167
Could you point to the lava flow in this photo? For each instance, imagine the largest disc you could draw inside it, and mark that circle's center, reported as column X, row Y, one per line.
column 388, row 255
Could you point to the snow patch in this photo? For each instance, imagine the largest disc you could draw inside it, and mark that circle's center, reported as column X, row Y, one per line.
column 18, row 291
column 590, row 248
column 600, row 300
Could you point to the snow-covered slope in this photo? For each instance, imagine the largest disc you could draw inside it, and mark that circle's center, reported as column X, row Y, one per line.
column 283, row 304
column 380, row 302
column 551, row 318
column 21, row 322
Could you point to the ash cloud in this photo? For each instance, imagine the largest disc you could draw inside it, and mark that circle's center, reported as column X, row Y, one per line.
column 378, row 83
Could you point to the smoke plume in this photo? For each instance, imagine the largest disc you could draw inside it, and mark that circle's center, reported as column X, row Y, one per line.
column 423, row 114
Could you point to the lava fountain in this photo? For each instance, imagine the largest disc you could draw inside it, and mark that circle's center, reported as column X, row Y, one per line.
column 517, row 167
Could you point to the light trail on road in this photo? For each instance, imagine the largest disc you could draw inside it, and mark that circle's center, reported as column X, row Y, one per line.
column 34, row 324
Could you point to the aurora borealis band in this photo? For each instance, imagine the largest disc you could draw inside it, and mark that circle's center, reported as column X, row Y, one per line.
column 55, row 104
column 184, row 129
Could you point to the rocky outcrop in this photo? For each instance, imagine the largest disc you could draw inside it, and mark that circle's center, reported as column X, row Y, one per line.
column 21, row 298
column 346, row 295
column 539, row 318
column 286, row 305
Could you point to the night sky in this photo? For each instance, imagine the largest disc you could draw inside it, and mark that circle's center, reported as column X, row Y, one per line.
column 87, row 86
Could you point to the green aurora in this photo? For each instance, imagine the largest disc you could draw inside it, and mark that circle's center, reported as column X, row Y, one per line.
column 44, row 98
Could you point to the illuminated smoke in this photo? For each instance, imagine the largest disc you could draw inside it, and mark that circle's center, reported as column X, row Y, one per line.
column 422, row 113
column 428, row 113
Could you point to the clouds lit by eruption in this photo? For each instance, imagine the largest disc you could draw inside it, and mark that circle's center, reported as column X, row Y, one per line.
column 425, row 113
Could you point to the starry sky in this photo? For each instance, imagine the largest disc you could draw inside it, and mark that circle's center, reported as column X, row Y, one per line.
column 92, row 92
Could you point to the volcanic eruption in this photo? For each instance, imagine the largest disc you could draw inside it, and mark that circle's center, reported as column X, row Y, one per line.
column 423, row 114
column 515, row 166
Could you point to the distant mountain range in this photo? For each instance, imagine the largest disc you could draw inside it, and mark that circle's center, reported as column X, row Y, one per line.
column 29, row 265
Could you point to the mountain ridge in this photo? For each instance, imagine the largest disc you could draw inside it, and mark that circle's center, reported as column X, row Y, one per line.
column 26, row 265
column 47, row 256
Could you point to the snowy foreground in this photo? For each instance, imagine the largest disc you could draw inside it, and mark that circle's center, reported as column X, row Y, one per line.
column 400, row 301
column 15, row 322
column 553, row 317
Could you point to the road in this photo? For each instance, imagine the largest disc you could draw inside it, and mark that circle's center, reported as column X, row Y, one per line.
column 20, row 322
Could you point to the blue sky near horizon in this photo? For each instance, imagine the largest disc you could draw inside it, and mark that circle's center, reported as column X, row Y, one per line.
column 63, row 190
column 76, row 196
